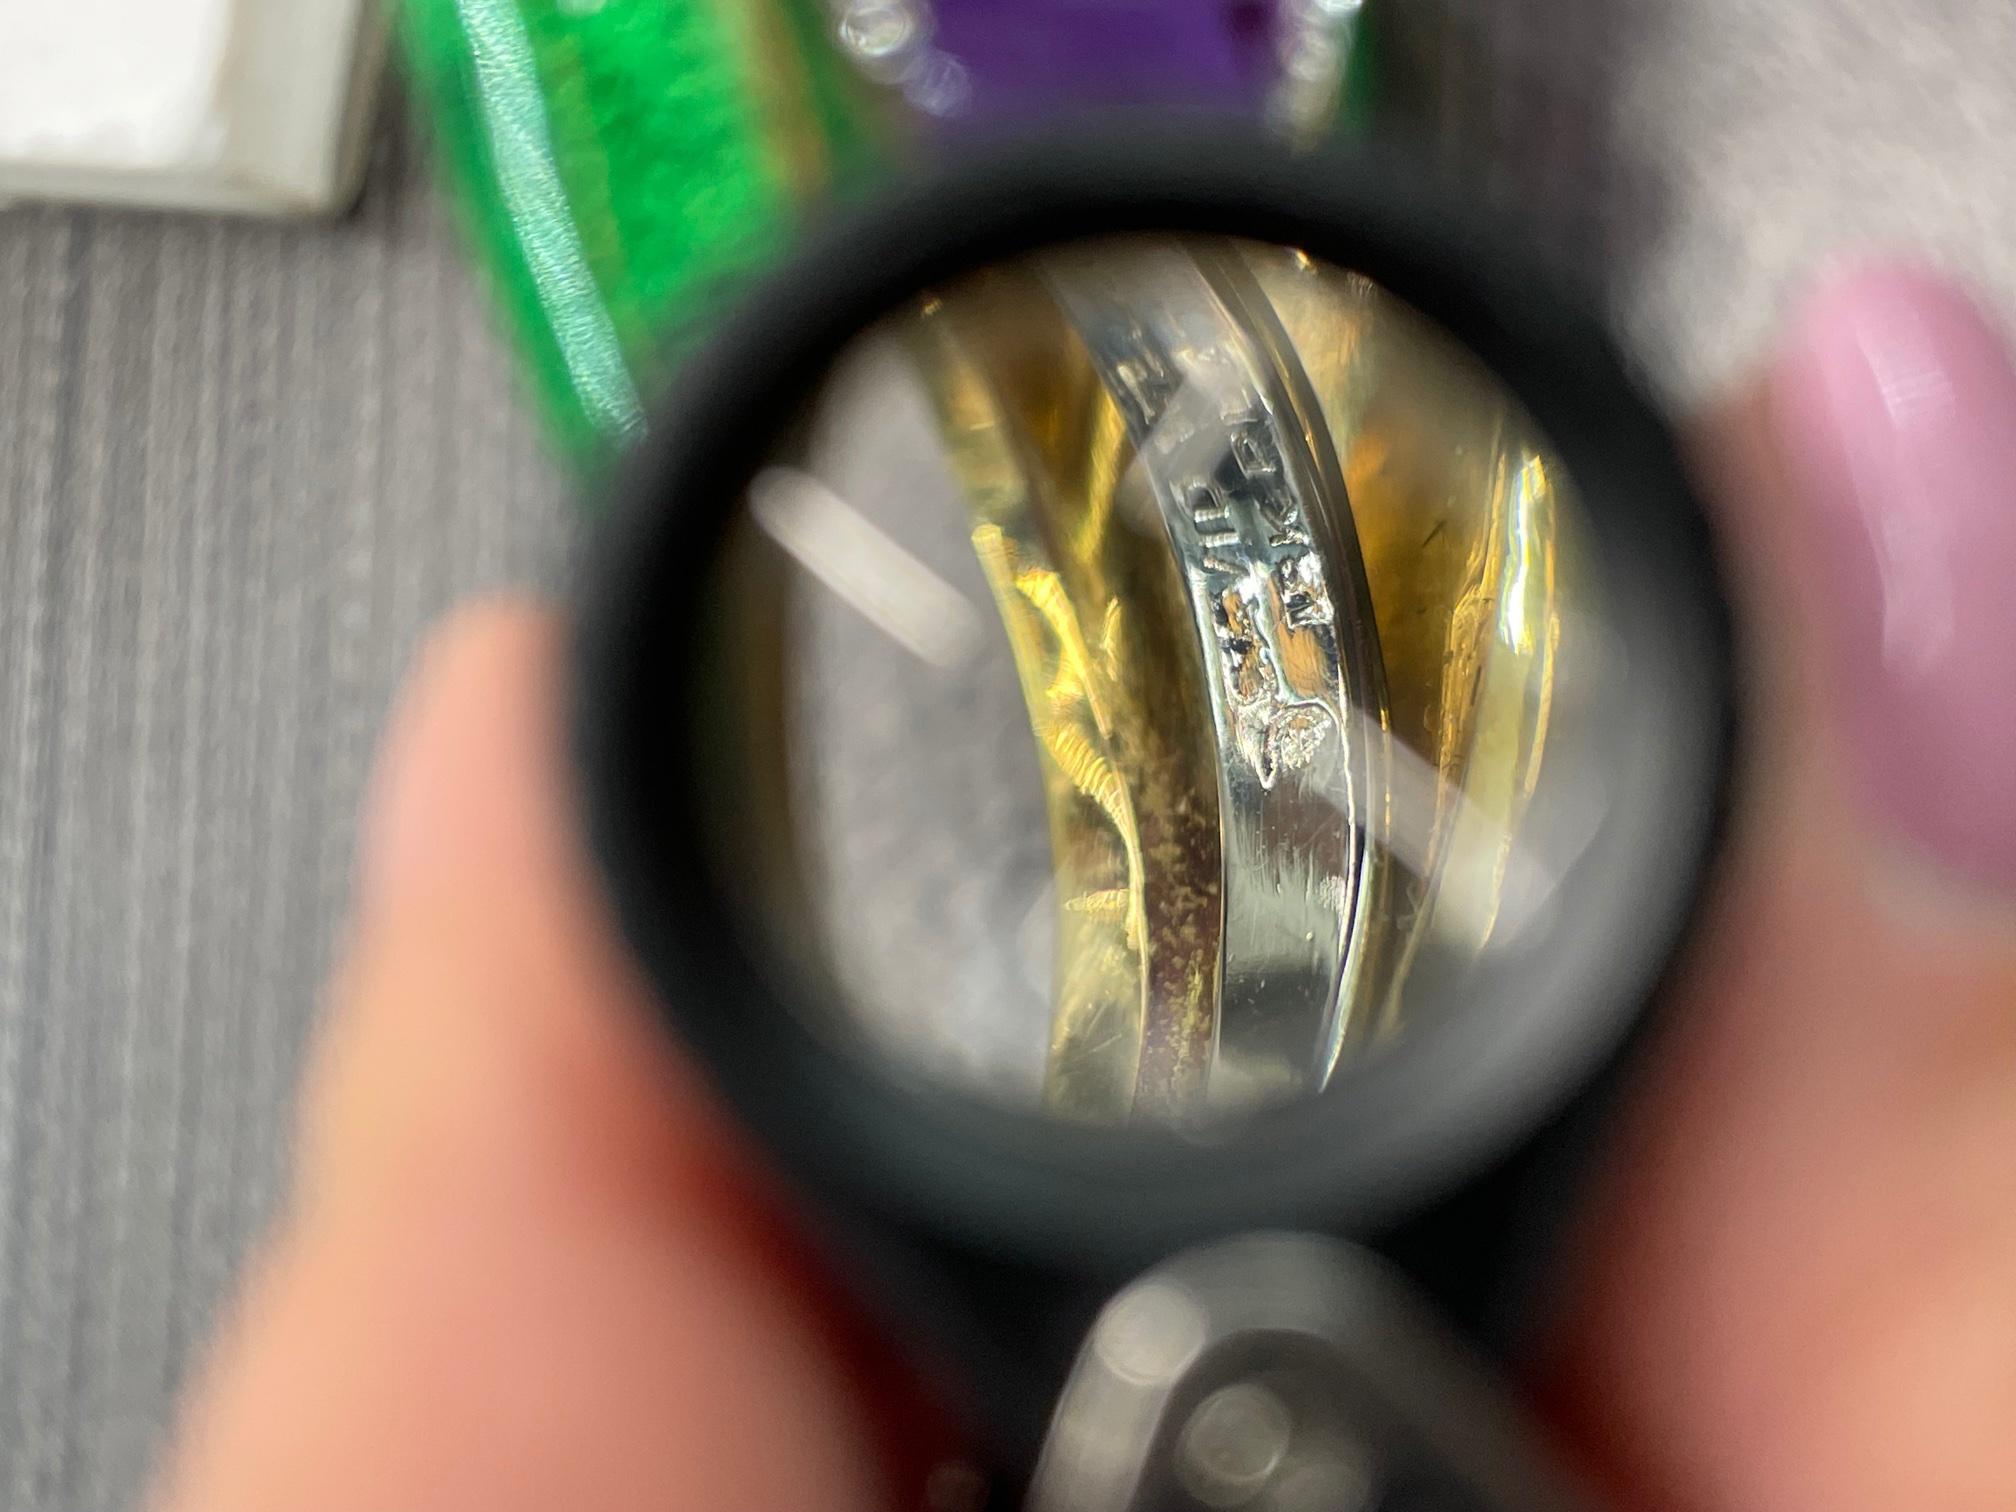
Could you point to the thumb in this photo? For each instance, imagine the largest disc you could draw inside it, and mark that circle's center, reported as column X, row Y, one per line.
column 526, row 1263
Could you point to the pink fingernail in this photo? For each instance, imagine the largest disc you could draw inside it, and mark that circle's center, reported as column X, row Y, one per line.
column 1895, row 403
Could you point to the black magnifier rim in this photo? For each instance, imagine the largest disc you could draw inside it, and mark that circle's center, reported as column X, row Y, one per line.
column 1397, row 1131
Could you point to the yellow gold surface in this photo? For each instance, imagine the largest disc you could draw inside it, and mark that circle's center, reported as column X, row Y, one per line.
column 1463, row 519
column 1088, row 600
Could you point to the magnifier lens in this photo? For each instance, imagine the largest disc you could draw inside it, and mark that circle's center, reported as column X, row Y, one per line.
column 1157, row 673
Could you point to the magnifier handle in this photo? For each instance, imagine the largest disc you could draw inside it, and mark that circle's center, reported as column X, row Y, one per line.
column 1286, row 1373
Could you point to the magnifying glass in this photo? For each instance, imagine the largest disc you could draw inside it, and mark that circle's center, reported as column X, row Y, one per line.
column 1155, row 710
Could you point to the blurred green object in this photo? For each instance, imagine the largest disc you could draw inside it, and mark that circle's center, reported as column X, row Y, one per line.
column 1358, row 92
column 615, row 162
column 618, row 164
column 1326, row 50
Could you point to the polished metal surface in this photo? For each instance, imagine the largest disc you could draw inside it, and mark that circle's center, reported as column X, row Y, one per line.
column 1251, row 498
column 1113, row 686
column 1490, row 624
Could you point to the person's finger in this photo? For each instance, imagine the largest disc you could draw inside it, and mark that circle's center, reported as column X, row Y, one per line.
column 1800, row 1284
column 525, row 1263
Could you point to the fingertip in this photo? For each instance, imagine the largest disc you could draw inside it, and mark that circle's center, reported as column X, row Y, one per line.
column 485, row 1016
column 474, row 712
column 1893, row 404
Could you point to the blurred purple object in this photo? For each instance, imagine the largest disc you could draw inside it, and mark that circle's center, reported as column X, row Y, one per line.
column 1033, row 57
